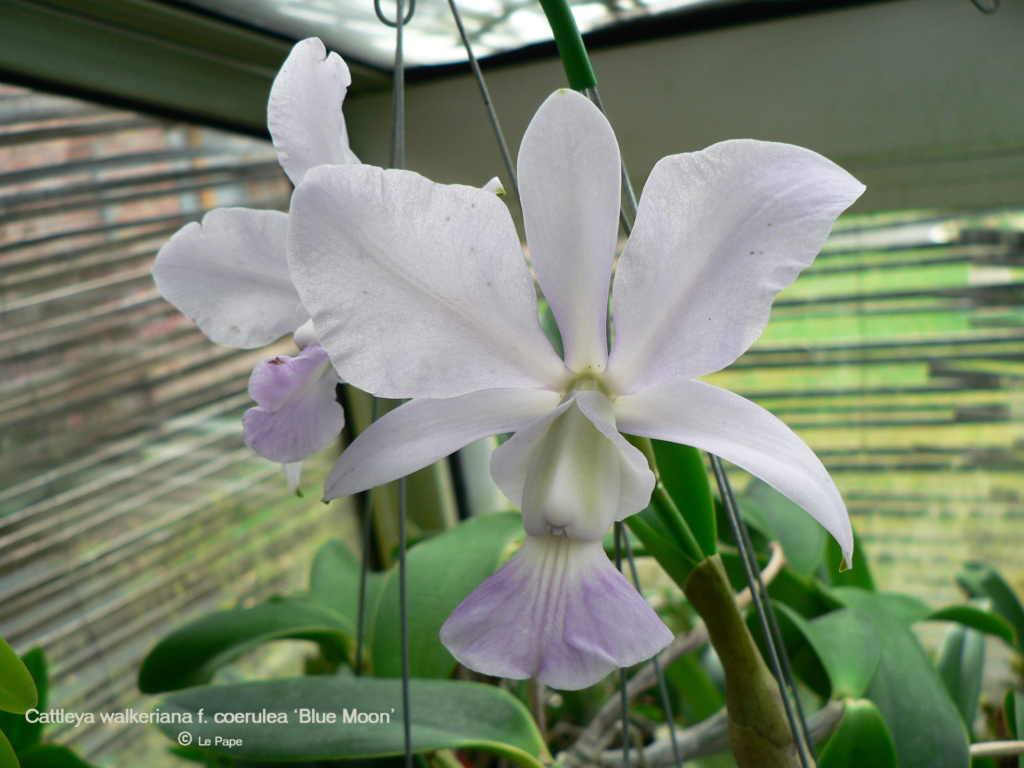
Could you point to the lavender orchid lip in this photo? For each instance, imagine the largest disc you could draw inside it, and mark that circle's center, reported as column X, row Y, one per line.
column 559, row 611
column 420, row 290
column 296, row 414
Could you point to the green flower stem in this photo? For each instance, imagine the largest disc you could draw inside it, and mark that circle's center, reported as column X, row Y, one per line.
column 570, row 44
column 758, row 729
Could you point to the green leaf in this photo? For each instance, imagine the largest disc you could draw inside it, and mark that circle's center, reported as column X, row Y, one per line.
column 334, row 581
column 908, row 609
column 801, row 536
column 961, row 665
column 980, row 580
column 22, row 733
column 1013, row 710
column 805, row 661
column 861, row 740
column 445, row 714
column 192, row 654
column 698, row 697
column 8, row 759
column 17, row 689
column 682, row 472
column 975, row 617
column 670, row 557
column 924, row 722
column 51, row 756
column 442, row 571
column 857, row 576
column 847, row 646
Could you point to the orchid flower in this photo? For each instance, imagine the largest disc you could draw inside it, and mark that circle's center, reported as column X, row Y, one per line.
column 230, row 273
column 420, row 290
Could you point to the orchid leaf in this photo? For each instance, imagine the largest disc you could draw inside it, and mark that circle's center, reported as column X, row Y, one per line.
column 17, row 689
column 8, row 758
column 445, row 714
column 981, row 580
column 1013, row 713
column 926, row 727
column 334, row 580
column 670, row 557
column 192, row 654
column 442, row 571
column 908, row 609
column 847, row 647
column 805, row 660
column 976, row 617
column 801, row 536
column 961, row 665
column 699, row 695
column 862, row 739
column 21, row 732
column 682, row 471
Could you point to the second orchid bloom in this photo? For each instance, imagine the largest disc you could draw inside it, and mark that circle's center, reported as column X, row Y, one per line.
column 420, row 290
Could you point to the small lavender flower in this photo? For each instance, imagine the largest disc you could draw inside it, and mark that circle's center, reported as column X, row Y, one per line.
column 230, row 273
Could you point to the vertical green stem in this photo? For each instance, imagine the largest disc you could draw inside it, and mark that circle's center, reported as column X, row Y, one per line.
column 570, row 44
column 758, row 729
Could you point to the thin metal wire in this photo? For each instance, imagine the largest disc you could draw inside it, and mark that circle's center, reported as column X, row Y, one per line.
column 773, row 623
column 729, row 500
column 479, row 75
column 398, row 161
column 398, row 92
column 619, row 532
column 404, row 609
column 364, row 567
column 986, row 10
column 662, row 687
column 388, row 22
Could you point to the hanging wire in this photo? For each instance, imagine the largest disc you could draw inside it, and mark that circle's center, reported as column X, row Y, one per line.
column 799, row 727
column 479, row 75
column 986, row 9
column 398, row 161
column 662, row 687
column 364, row 568
column 619, row 535
column 388, row 22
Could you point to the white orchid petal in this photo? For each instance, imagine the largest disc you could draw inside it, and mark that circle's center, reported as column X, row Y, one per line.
column 569, row 180
column 637, row 481
column 560, row 611
column 572, row 471
column 718, row 235
column 230, row 275
column 306, row 336
column 512, row 460
column 304, row 113
column 732, row 427
column 422, row 431
column 417, row 289
column 297, row 412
